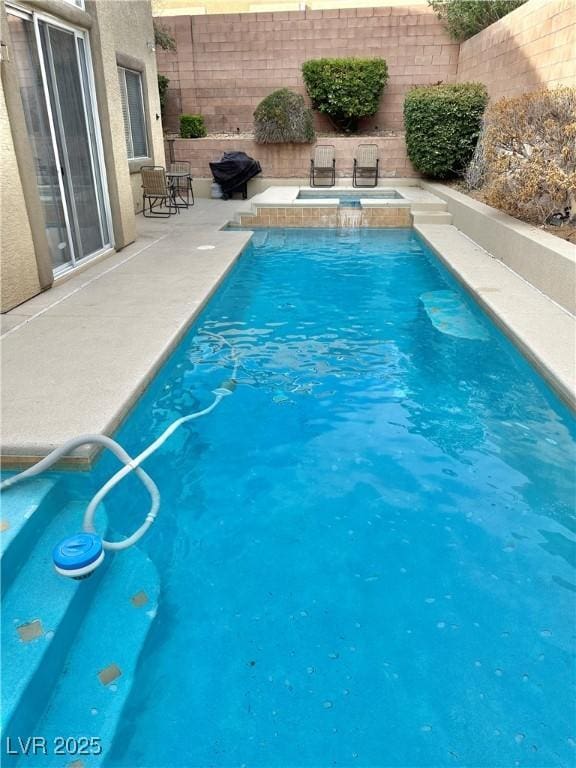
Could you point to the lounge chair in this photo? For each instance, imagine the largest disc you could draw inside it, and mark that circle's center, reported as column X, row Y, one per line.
column 366, row 165
column 158, row 192
column 323, row 165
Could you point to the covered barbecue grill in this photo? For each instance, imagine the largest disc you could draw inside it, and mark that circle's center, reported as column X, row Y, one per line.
column 233, row 172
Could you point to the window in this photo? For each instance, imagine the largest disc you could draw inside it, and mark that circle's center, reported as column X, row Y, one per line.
column 133, row 112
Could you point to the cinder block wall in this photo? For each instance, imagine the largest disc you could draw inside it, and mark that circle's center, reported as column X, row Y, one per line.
column 290, row 161
column 226, row 64
column 533, row 46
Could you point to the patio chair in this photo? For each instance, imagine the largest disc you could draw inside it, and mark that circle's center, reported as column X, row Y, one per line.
column 366, row 165
column 183, row 184
column 158, row 192
column 323, row 165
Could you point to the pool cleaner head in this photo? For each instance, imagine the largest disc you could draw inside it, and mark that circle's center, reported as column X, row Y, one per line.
column 78, row 556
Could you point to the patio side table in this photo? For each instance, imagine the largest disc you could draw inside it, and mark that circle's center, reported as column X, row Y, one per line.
column 181, row 183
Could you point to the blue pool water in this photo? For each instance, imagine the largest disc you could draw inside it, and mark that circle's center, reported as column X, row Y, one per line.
column 367, row 553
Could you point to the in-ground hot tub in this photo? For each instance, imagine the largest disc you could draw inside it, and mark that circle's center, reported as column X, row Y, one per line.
column 349, row 198
column 339, row 207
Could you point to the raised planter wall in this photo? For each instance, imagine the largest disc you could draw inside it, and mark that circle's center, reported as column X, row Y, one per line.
column 286, row 161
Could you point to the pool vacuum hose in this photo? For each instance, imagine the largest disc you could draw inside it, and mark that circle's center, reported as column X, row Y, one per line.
column 79, row 555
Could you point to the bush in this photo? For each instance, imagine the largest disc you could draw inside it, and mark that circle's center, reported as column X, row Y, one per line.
column 163, row 92
column 464, row 18
column 162, row 37
column 442, row 125
column 192, row 127
column 529, row 143
column 346, row 90
column 283, row 117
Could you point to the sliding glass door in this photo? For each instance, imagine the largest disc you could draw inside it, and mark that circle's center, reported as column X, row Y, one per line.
column 54, row 69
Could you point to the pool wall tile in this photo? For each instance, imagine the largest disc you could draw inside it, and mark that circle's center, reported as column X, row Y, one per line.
column 325, row 216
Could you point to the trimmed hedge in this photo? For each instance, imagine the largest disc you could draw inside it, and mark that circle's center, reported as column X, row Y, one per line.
column 283, row 117
column 465, row 18
column 346, row 90
column 442, row 125
column 192, row 127
column 163, row 82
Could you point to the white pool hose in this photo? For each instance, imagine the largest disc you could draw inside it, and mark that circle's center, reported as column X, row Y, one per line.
column 130, row 464
column 107, row 442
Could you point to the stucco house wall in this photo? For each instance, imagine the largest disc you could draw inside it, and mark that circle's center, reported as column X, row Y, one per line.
column 125, row 37
column 121, row 34
column 19, row 271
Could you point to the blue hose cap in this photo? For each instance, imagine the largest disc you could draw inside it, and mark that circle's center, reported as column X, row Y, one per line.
column 77, row 552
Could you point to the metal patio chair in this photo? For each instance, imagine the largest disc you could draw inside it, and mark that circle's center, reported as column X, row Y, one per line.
column 366, row 165
column 323, row 165
column 181, row 179
column 158, row 192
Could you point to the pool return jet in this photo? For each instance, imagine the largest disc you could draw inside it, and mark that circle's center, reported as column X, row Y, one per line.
column 79, row 555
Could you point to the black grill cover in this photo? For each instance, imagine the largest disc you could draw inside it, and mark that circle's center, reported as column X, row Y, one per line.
column 234, row 170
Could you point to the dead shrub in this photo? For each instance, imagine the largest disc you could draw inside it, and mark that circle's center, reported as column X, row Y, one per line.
column 529, row 147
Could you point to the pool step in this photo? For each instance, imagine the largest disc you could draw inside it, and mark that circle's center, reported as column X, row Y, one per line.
column 41, row 612
column 25, row 512
column 431, row 217
column 97, row 677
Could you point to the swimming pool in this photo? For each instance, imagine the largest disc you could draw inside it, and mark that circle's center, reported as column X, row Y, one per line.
column 367, row 552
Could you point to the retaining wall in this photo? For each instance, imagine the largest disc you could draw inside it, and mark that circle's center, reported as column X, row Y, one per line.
column 285, row 161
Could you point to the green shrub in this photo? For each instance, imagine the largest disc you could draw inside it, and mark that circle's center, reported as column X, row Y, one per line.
column 192, row 127
column 442, row 125
column 163, row 92
column 346, row 90
column 464, row 18
column 283, row 117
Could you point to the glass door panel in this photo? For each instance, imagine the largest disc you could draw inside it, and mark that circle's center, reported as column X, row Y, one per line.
column 83, row 58
column 73, row 137
column 53, row 65
column 37, row 119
